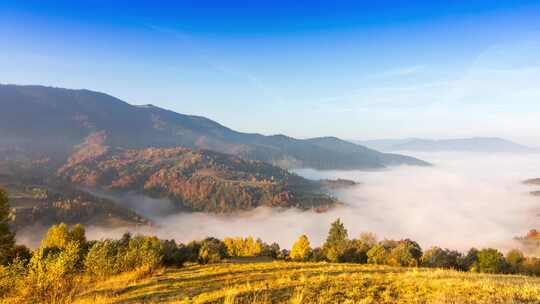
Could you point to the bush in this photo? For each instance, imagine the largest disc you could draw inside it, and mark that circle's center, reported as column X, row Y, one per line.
column 102, row 259
column 52, row 274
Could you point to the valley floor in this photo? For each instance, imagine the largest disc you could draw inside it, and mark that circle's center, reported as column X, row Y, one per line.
column 285, row 282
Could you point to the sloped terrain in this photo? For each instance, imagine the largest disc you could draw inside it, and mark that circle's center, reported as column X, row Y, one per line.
column 283, row 282
column 199, row 180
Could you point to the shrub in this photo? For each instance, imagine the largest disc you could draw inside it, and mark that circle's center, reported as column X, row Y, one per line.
column 52, row 274
column 301, row 250
column 102, row 259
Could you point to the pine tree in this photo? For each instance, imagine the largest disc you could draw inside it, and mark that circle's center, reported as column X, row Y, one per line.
column 7, row 238
column 301, row 250
column 336, row 242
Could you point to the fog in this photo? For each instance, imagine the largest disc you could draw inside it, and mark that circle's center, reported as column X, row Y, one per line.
column 464, row 200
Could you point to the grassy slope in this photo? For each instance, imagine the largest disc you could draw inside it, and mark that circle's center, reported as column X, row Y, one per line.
column 281, row 282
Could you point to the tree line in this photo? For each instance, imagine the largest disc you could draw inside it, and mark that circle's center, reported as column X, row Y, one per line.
column 52, row 272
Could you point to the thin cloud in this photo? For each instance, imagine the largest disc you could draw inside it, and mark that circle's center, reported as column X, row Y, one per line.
column 216, row 64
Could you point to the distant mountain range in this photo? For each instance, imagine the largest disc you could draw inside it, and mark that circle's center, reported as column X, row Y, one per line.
column 52, row 121
column 476, row 144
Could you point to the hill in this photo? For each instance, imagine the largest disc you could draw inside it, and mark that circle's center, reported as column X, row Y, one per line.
column 62, row 119
column 477, row 144
column 194, row 180
column 284, row 282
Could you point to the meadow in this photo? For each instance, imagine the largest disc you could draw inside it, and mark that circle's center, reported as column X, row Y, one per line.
column 291, row 282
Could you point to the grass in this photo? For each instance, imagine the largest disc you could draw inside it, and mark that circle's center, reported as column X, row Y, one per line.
column 283, row 282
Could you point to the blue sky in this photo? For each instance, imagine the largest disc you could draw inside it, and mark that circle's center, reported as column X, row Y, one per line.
column 352, row 69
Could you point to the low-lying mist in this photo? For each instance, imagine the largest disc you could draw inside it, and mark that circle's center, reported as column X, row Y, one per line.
column 464, row 200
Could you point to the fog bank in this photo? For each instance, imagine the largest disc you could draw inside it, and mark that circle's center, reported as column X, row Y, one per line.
column 464, row 200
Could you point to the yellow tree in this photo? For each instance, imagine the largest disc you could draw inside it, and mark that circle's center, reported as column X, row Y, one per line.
column 301, row 250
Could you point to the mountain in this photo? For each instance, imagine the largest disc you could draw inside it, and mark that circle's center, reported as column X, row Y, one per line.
column 476, row 144
column 39, row 121
column 193, row 180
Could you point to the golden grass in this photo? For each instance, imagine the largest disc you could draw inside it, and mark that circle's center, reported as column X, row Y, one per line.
column 282, row 282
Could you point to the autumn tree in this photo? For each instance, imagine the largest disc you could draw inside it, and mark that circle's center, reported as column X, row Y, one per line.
column 515, row 259
column 491, row 261
column 301, row 250
column 441, row 258
column 7, row 238
column 60, row 236
column 336, row 242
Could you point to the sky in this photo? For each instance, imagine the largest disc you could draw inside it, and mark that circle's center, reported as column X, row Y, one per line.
column 352, row 69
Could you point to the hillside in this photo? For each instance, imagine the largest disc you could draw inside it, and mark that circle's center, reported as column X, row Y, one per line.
column 477, row 144
column 194, row 180
column 283, row 282
column 70, row 116
column 45, row 205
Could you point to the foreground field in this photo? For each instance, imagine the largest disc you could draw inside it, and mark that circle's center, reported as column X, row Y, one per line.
column 282, row 282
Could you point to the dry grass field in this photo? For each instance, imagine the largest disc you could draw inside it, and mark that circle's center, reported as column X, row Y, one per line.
column 286, row 282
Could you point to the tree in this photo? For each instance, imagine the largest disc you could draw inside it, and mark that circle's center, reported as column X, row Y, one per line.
column 406, row 253
column 515, row 259
column 441, row 258
column 301, row 250
column 212, row 250
column 491, row 261
column 470, row 261
column 57, row 236
column 336, row 242
column 378, row 254
column 7, row 238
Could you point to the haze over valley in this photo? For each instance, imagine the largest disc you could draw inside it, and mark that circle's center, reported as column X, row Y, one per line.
column 186, row 177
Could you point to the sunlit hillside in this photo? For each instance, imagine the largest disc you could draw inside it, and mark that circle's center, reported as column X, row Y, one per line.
column 287, row 282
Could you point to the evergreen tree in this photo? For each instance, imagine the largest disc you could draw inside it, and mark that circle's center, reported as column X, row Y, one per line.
column 7, row 238
column 336, row 242
column 301, row 250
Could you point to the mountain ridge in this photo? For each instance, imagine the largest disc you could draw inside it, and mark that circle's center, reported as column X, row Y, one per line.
column 72, row 115
column 473, row 144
